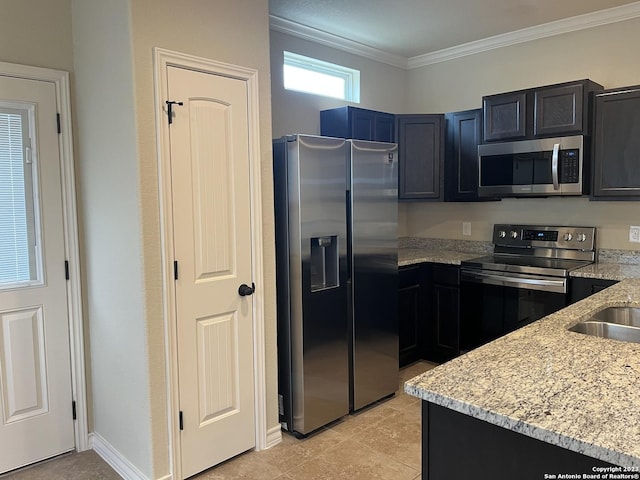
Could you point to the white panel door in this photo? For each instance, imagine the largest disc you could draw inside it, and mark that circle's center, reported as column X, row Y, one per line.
column 212, row 241
column 35, row 367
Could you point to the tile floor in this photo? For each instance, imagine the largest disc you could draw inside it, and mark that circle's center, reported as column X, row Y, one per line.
column 381, row 442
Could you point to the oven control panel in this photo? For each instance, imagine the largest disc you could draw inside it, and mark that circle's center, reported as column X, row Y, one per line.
column 572, row 238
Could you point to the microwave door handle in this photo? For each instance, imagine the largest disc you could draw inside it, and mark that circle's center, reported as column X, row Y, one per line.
column 554, row 166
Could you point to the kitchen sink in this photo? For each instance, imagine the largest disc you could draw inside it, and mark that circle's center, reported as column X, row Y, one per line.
column 619, row 315
column 616, row 323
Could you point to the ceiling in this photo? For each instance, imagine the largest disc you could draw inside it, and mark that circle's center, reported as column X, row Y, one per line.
column 412, row 28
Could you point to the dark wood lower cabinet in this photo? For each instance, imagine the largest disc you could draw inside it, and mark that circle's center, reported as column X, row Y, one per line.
column 428, row 312
column 410, row 314
column 459, row 447
column 443, row 331
column 583, row 287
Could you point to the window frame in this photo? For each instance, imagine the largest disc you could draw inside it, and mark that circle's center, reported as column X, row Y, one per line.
column 27, row 112
column 350, row 76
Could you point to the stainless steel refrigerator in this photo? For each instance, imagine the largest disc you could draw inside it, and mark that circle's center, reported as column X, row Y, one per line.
column 336, row 254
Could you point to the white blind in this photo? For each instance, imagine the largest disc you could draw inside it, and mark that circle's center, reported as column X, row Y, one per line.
column 14, row 235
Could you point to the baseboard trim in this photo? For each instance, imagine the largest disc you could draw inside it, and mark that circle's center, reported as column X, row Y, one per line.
column 274, row 436
column 116, row 460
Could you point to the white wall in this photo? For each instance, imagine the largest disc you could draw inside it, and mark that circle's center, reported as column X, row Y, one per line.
column 108, row 191
column 383, row 87
column 606, row 54
column 232, row 31
column 119, row 191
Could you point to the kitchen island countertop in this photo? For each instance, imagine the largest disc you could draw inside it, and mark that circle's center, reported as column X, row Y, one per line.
column 568, row 389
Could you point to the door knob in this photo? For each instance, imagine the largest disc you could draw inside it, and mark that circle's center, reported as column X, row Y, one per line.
column 244, row 289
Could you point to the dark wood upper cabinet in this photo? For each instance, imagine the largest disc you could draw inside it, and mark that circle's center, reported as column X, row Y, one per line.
column 559, row 110
column 504, row 116
column 616, row 144
column 420, row 141
column 463, row 135
column 553, row 110
column 357, row 123
column 385, row 127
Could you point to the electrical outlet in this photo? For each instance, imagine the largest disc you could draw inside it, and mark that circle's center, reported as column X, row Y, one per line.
column 634, row 234
column 466, row 229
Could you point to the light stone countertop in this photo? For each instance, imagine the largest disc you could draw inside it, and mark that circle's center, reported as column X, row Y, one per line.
column 576, row 391
column 412, row 256
column 608, row 271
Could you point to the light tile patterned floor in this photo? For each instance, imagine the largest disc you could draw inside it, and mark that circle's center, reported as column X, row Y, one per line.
column 379, row 443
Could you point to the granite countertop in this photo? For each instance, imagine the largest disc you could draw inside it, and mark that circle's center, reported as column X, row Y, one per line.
column 412, row 256
column 608, row 271
column 568, row 389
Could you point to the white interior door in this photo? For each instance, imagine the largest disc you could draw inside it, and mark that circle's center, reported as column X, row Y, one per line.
column 35, row 367
column 212, row 247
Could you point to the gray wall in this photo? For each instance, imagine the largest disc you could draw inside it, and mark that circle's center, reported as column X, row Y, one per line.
column 383, row 87
column 606, row 54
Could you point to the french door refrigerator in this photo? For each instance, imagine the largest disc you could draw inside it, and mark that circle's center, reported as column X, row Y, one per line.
column 336, row 274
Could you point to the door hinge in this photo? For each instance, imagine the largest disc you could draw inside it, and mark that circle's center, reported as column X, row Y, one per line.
column 181, row 421
column 66, row 269
column 175, row 270
column 170, row 105
column 73, row 409
column 58, row 123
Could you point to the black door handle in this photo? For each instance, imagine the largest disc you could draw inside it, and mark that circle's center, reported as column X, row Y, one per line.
column 244, row 289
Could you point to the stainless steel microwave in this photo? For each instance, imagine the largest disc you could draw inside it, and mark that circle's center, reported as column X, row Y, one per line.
column 541, row 167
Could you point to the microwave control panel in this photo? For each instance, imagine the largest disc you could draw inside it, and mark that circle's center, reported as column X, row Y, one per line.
column 570, row 166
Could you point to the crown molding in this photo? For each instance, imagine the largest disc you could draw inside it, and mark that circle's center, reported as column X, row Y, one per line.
column 558, row 27
column 314, row 35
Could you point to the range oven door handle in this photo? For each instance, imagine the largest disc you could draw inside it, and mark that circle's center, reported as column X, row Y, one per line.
column 544, row 284
column 554, row 166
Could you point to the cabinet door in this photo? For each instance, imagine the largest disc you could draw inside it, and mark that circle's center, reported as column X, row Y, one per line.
column 362, row 124
column 443, row 338
column 409, row 314
column 616, row 152
column 505, row 116
column 421, row 156
column 584, row 287
column 446, row 321
column 385, row 127
column 558, row 110
column 464, row 130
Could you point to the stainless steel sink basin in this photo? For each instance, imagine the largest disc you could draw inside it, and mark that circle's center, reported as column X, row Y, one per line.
column 619, row 316
column 616, row 323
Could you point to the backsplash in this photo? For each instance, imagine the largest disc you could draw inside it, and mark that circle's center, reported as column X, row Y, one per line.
column 445, row 219
column 470, row 246
column 625, row 257
column 604, row 255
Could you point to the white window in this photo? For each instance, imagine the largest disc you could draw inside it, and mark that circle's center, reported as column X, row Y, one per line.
column 309, row 75
column 18, row 253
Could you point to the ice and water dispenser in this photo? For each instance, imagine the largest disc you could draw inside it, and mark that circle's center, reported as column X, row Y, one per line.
column 324, row 262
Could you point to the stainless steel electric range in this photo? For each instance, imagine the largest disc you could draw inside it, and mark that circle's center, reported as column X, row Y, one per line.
column 525, row 279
